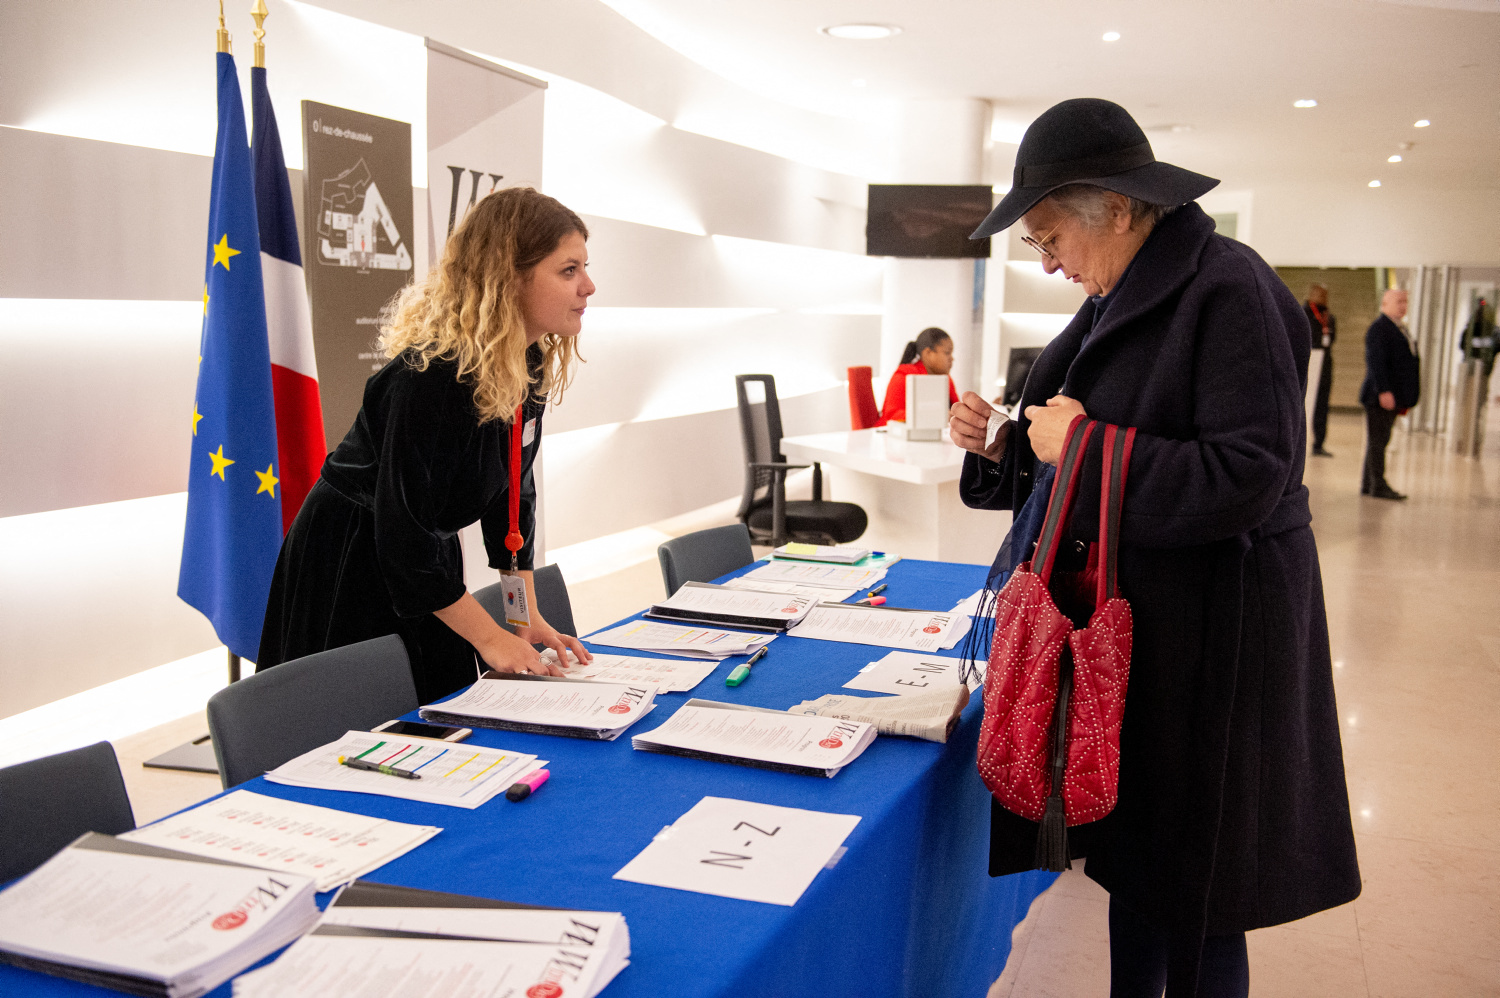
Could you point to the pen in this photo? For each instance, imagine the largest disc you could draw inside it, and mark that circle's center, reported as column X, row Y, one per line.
column 741, row 672
column 872, row 601
column 876, row 591
column 371, row 767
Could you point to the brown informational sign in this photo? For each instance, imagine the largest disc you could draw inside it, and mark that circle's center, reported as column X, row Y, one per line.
column 358, row 219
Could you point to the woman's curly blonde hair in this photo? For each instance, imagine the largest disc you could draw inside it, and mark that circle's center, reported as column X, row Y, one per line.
column 468, row 309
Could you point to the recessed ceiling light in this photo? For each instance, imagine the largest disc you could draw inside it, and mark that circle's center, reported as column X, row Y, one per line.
column 1422, row 124
column 861, row 83
column 1179, row 129
column 861, row 32
column 1305, row 102
column 1394, row 159
column 1374, row 183
column 1111, row 36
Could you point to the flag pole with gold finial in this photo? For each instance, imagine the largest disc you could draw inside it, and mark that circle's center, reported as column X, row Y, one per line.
column 259, row 13
column 223, row 31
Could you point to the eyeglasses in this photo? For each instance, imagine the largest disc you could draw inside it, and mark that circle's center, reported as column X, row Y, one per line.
column 1040, row 245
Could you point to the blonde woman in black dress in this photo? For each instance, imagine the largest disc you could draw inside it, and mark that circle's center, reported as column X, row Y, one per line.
column 482, row 345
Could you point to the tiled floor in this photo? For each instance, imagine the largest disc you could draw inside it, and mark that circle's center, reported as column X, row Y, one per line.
column 1413, row 594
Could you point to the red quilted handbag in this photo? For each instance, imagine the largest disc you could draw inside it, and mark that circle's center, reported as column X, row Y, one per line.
column 1054, row 698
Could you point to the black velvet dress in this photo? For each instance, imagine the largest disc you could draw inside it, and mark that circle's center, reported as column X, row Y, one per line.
column 375, row 550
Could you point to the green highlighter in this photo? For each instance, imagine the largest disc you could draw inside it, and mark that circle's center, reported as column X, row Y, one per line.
column 741, row 672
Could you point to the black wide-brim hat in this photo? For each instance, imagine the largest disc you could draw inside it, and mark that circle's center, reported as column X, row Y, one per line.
column 1090, row 141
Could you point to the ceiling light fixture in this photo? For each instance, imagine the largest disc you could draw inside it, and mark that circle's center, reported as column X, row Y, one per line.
column 1305, row 102
column 1422, row 124
column 1374, row 183
column 1394, row 159
column 1111, row 36
column 861, row 32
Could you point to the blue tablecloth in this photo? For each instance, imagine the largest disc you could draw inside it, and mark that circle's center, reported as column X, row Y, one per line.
column 908, row 911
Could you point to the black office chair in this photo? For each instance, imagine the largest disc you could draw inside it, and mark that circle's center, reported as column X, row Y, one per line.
column 551, row 599
column 704, row 555
column 48, row 802
column 265, row 719
column 768, row 514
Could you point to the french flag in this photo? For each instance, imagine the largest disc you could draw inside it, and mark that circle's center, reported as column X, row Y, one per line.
column 294, row 370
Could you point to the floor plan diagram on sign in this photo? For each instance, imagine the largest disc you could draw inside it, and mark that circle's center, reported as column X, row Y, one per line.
column 352, row 219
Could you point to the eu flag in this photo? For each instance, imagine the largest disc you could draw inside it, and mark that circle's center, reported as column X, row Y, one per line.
column 234, row 508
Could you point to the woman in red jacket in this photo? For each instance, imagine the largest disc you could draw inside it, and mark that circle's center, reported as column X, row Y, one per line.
column 930, row 353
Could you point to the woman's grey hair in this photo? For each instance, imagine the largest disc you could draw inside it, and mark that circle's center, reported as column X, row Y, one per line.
column 1089, row 204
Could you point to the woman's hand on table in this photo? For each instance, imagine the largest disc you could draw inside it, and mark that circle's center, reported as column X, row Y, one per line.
column 542, row 633
column 1049, row 426
column 968, row 426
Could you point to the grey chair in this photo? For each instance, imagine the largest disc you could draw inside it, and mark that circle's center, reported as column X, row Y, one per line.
column 551, row 599
column 704, row 555
column 265, row 719
column 47, row 803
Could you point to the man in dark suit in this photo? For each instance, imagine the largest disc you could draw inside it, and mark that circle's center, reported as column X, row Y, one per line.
column 1391, row 386
column 1324, row 329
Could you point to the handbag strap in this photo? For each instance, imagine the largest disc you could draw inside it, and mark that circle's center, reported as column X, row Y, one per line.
column 1118, row 443
column 1064, row 486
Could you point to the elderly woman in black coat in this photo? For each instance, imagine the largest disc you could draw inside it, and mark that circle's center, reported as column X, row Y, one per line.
column 1233, row 812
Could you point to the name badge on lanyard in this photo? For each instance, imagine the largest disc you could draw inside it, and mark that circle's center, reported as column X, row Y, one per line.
column 517, row 603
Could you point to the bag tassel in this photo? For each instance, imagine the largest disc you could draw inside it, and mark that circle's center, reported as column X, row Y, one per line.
column 1052, row 853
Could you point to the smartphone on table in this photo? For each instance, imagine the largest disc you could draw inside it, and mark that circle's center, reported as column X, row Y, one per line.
column 416, row 729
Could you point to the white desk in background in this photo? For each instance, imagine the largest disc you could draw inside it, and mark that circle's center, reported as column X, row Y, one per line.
column 909, row 490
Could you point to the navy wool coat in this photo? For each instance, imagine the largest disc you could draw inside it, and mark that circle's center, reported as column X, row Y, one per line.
column 1233, row 812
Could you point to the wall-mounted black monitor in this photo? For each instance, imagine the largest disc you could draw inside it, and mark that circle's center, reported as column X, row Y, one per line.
column 927, row 220
column 1017, row 370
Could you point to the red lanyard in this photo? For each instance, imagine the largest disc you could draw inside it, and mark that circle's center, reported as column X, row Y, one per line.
column 513, row 540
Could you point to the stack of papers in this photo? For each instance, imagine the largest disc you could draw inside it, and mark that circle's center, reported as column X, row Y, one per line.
column 703, row 603
column 824, row 594
column 740, row 849
column 755, row 736
column 809, row 573
column 675, row 639
column 822, row 552
column 667, row 675
column 546, row 705
column 449, row 772
column 332, row 847
column 377, row 941
column 149, row 921
column 886, row 627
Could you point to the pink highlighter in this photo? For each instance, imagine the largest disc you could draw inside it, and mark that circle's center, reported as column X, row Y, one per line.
column 527, row 786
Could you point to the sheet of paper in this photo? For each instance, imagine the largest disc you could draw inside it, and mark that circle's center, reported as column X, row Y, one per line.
column 969, row 605
column 768, row 736
column 179, row 921
column 867, row 625
column 740, row 849
column 517, row 925
column 825, row 594
column 680, row 639
column 810, row 573
column 451, row 772
column 332, row 847
column 904, row 672
column 958, row 631
column 668, row 675
column 752, row 604
column 594, row 706
column 993, row 427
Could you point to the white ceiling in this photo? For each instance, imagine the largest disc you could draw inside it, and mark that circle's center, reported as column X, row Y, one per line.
column 1229, row 70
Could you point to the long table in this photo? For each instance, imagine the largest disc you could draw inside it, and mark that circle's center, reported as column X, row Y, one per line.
column 908, row 911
